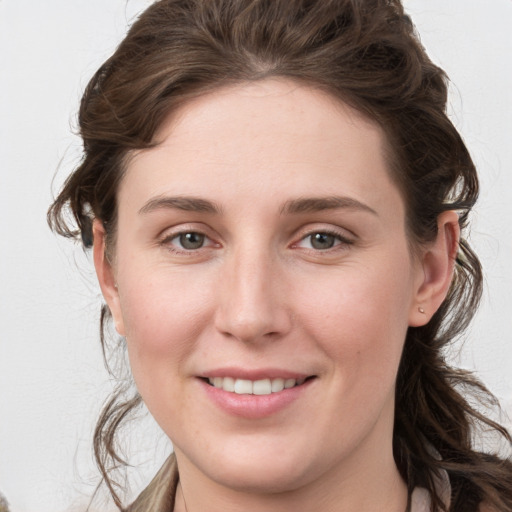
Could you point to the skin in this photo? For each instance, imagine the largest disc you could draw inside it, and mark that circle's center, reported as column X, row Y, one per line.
column 258, row 294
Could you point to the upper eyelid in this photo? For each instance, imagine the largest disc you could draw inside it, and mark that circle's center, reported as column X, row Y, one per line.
column 178, row 229
column 343, row 233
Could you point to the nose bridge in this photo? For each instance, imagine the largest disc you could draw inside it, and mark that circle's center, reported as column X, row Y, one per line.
column 251, row 305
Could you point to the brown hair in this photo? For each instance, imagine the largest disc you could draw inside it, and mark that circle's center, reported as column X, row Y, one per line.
column 366, row 53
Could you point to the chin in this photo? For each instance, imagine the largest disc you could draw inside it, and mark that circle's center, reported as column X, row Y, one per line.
column 261, row 471
column 266, row 479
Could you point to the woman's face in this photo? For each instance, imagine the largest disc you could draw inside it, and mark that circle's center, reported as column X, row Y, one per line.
column 262, row 245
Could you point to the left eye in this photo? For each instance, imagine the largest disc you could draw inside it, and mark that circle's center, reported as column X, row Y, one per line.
column 321, row 241
column 189, row 241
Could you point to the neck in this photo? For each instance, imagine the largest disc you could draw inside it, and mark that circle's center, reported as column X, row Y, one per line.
column 389, row 497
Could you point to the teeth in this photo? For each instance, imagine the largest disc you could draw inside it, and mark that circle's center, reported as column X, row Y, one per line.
column 277, row 385
column 243, row 387
column 227, row 384
column 256, row 387
column 262, row 387
column 289, row 383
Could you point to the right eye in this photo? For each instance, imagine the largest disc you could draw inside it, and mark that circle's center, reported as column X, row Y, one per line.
column 189, row 241
column 322, row 241
column 186, row 241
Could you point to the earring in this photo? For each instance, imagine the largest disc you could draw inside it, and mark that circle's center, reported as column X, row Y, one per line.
column 421, row 310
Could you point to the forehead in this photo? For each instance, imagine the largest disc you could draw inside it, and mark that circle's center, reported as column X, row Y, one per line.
column 260, row 110
column 262, row 138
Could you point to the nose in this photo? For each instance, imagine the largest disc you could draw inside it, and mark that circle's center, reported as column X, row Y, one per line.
column 252, row 302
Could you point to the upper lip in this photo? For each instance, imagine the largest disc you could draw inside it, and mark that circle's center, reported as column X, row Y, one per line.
column 254, row 374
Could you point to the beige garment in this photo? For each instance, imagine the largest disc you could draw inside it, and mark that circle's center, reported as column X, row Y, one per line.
column 420, row 500
column 159, row 495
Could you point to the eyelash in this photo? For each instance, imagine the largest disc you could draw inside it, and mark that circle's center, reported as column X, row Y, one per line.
column 340, row 241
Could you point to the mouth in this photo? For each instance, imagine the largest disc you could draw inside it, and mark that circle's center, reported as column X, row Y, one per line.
column 255, row 387
column 258, row 393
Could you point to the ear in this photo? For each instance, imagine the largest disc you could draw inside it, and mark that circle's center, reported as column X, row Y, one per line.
column 106, row 277
column 437, row 263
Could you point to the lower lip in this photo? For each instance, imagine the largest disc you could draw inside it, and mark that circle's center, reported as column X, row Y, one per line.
column 254, row 406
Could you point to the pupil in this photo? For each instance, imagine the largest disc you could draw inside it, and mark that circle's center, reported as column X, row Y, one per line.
column 322, row 241
column 191, row 240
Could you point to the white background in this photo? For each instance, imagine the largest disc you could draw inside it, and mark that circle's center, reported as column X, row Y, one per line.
column 52, row 380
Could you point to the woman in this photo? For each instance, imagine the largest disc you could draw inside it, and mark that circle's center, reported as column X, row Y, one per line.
column 276, row 202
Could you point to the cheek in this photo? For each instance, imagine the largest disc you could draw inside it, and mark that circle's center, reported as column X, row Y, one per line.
column 360, row 320
column 163, row 313
column 161, row 310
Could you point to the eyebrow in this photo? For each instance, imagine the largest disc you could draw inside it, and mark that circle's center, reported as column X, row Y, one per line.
column 294, row 206
column 317, row 204
column 188, row 204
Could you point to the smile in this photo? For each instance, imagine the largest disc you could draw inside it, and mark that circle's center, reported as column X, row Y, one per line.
column 254, row 387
